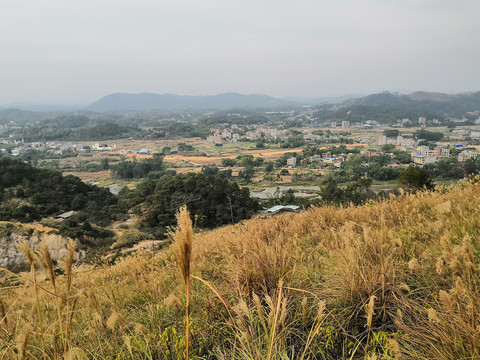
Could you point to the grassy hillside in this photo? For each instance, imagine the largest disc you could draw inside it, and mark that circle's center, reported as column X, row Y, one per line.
column 389, row 280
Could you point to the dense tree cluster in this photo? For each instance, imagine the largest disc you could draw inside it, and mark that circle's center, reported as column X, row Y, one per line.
column 29, row 194
column 209, row 195
column 428, row 135
column 415, row 178
column 243, row 161
column 451, row 168
column 175, row 129
column 391, row 133
column 293, row 142
column 91, row 132
column 151, row 168
column 356, row 193
column 375, row 167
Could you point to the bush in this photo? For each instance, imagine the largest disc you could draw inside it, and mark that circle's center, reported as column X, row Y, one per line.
column 414, row 178
column 129, row 237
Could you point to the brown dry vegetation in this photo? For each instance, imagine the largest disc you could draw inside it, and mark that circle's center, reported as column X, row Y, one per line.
column 396, row 279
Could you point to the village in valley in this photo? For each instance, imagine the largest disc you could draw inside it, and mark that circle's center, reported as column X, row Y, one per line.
column 285, row 150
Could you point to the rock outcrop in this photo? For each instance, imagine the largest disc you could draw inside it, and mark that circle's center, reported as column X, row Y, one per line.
column 11, row 234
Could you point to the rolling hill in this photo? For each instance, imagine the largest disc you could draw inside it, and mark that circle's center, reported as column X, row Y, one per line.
column 149, row 101
column 388, row 107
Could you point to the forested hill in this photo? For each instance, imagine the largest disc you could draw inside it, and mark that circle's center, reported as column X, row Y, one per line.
column 30, row 194
column 388, row 107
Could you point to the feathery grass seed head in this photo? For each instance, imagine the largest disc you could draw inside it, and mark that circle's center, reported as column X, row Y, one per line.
column 173, row 301
column 115, row 319
column 370, row 308
column 183, row 236
column 432, row 316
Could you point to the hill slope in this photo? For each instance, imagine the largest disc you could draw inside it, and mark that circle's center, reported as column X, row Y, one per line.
column 148, row 101
column 387, row 107
column 395, row 279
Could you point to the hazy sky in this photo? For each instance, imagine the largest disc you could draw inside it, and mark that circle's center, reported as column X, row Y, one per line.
column 79, row 51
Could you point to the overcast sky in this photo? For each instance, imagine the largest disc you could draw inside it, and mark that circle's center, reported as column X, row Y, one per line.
column 79, row 51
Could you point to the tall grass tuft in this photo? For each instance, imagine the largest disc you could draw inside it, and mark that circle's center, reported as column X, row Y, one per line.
column 183, row 236
column 23, row 246
column 50, row 329
column 47, row 264
column 72, row 245
column 22, row 342
column 369, row 311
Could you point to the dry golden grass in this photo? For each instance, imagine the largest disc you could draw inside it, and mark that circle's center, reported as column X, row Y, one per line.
column 183, row 237
column 393, row 279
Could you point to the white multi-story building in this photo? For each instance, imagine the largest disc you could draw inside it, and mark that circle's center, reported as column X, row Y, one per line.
column 467, row 154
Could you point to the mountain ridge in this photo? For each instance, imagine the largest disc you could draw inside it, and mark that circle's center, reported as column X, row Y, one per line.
column 151, row 101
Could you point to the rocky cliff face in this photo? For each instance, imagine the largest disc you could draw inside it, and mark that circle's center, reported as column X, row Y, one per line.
column 12, row 234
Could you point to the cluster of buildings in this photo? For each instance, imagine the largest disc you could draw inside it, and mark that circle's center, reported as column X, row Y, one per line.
column 422, row 121
column 405, row 122
column 344, row 124
column 325, row 159
column 48, row 147
column 267, row 132
column 407, row 143
column 467, row 154
column 474, row 134
column 423, row 155
column 52, row 147
column 231, row 135
column 314, row 137
column 222, row 136
column 328, row 159
column 103, row 147
column 368, row 124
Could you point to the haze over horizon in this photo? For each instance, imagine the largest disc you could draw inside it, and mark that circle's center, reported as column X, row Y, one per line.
column 78, row 52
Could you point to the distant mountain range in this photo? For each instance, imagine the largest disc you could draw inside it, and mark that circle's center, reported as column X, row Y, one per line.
column 352, row 107
column 443, row 103
column 149, row 101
